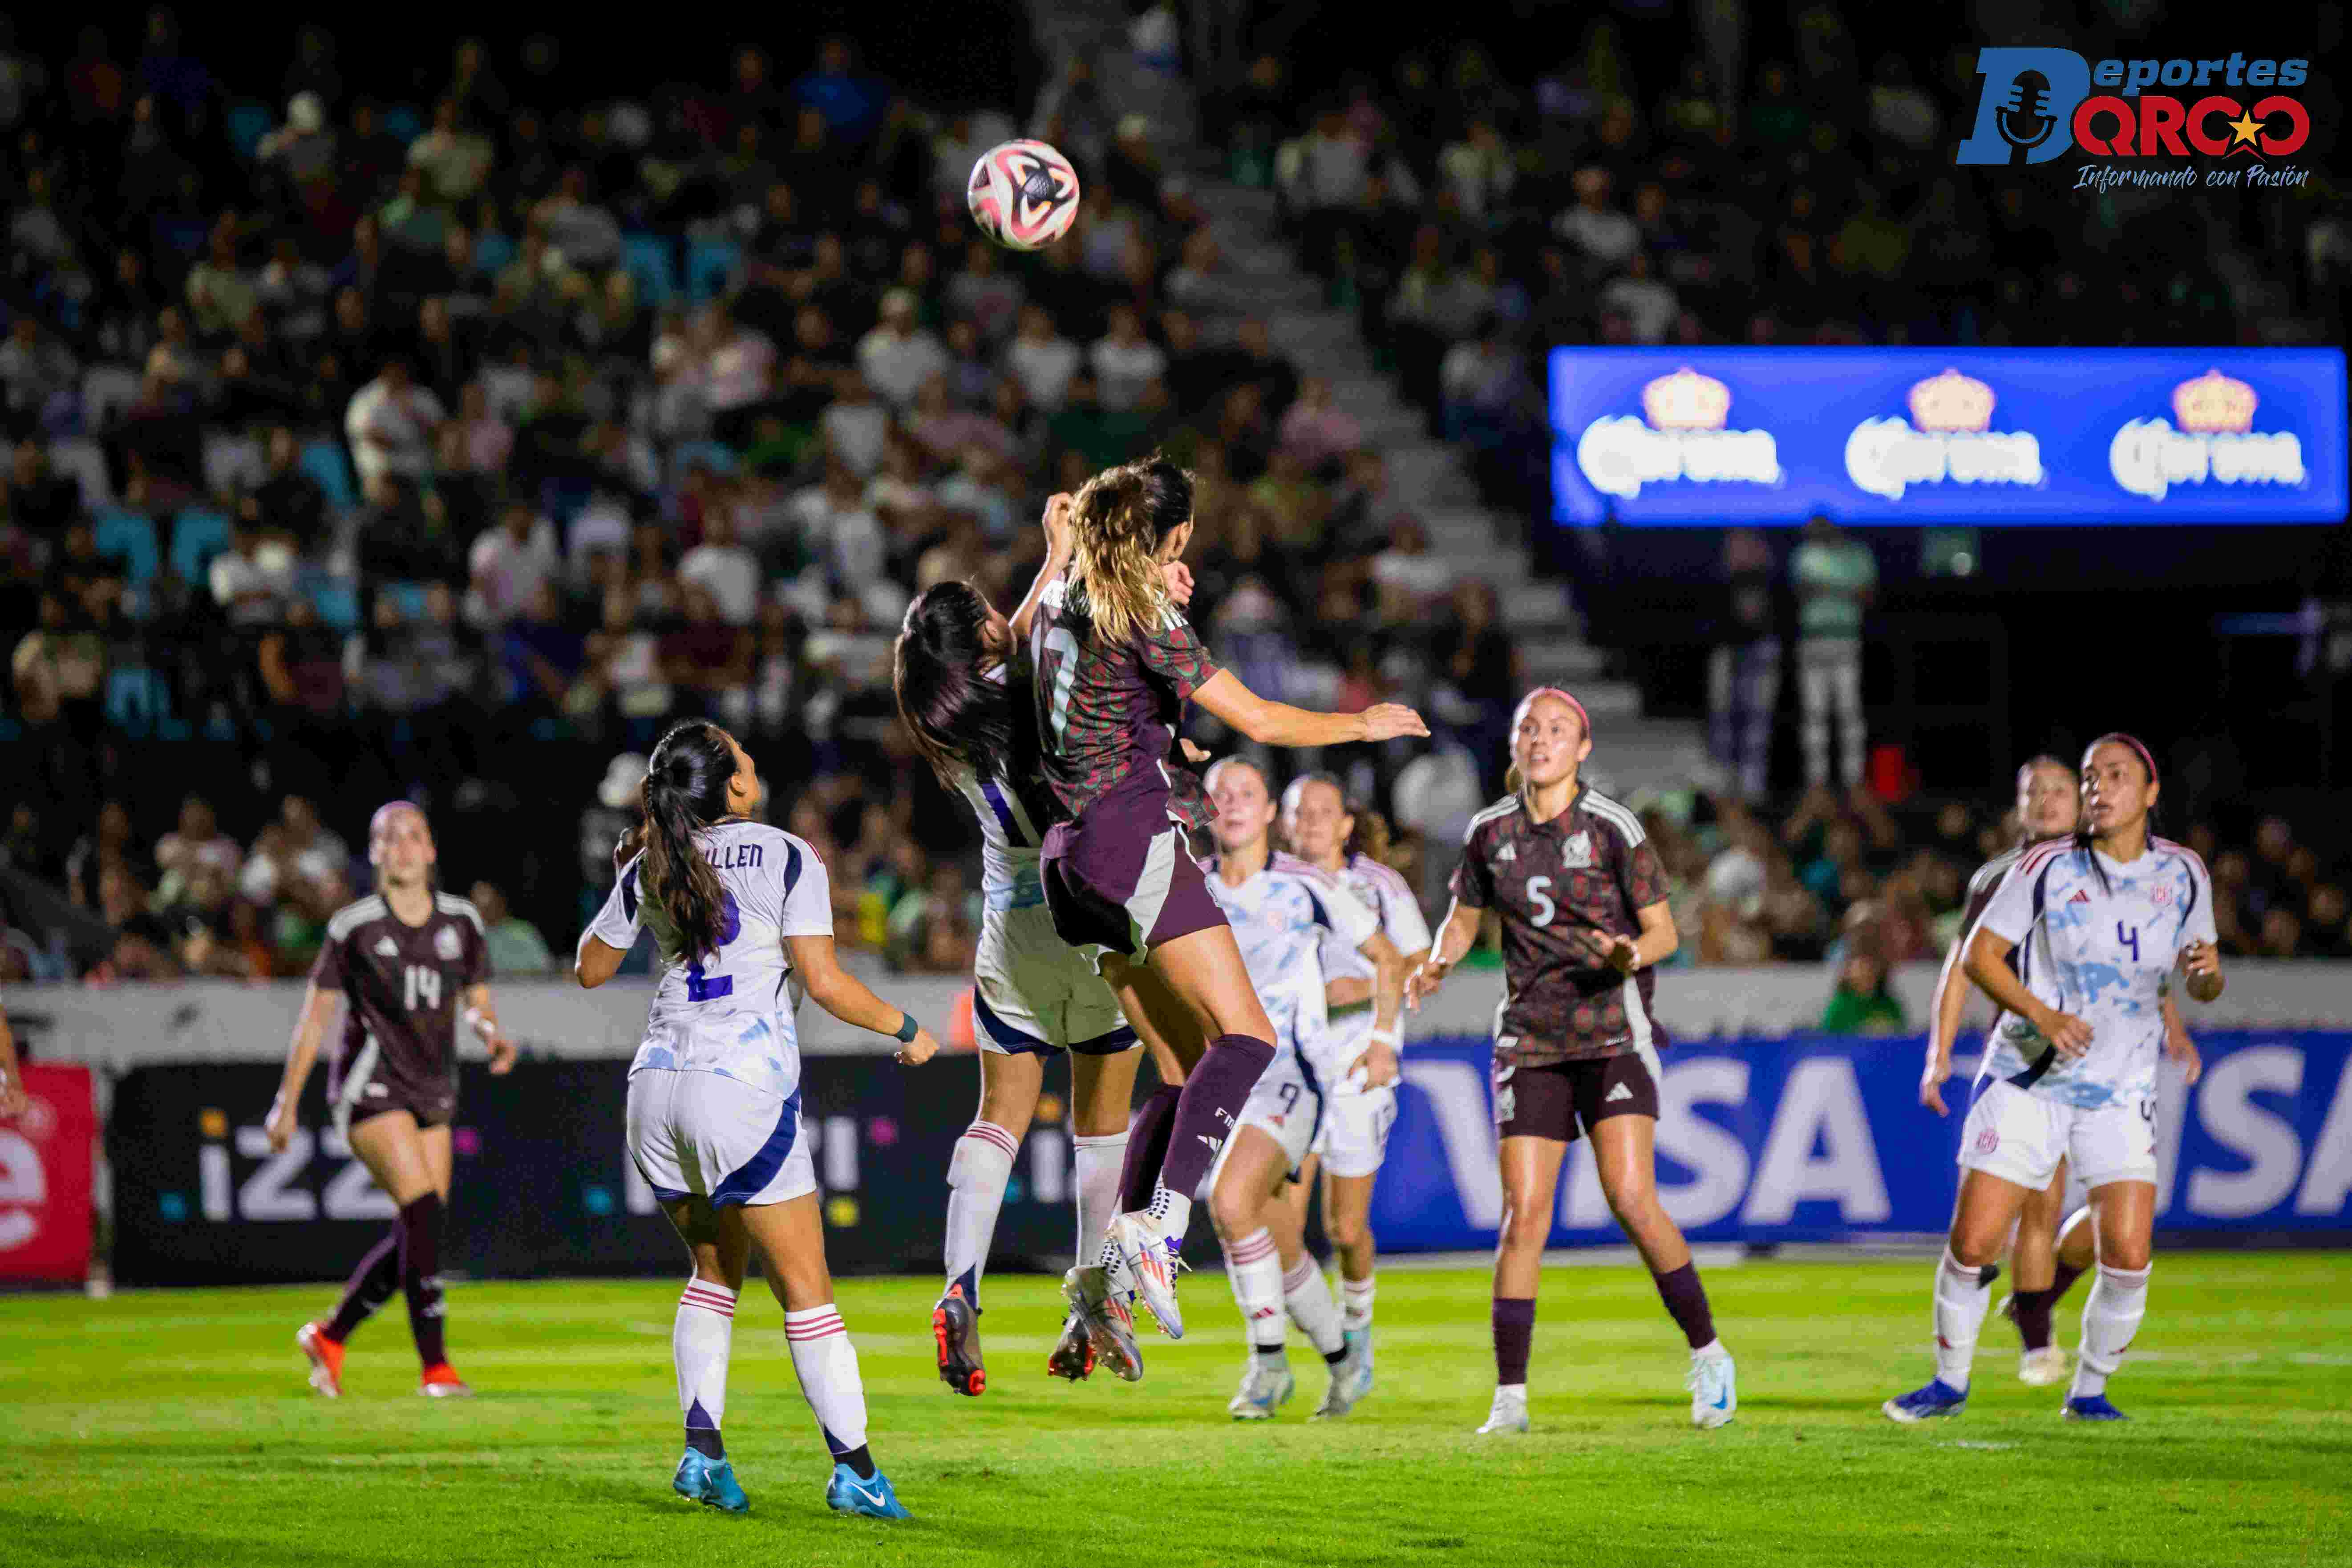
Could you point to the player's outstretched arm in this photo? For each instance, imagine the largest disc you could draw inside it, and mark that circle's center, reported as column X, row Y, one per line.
column 1279, row 724
column 1058, row 549
column 846, row 997
column 1453, row 939
column 309, row 1029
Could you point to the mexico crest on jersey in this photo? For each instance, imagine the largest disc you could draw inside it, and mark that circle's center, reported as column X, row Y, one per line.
column 445, row 945
column 1578, row 852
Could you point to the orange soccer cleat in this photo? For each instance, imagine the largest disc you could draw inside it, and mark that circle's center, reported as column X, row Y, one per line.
column 326, row 1359
column 442, row 1382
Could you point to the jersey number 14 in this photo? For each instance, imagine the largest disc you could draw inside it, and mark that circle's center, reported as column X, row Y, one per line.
column 421, row 987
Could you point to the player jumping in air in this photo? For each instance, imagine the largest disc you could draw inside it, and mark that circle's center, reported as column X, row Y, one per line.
column 1344, row 841
column 2047, row 1256
column 2076, row 947
column 962, row 679
column 1283, row 912
column 410, row 966
column 714, row 1117
column 1582, row 899
column 1116, row 662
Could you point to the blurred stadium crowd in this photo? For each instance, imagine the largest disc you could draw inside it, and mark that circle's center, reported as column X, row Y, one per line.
column 429, row 432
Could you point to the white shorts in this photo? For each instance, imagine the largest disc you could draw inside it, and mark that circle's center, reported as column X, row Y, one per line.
column 697, row 1134
column 1286, row 1106
column 1033, row 992
column 1356, row 1123
column 2020, row 1136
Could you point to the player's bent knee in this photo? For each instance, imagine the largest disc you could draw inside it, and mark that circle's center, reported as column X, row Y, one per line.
column 2128, row 1253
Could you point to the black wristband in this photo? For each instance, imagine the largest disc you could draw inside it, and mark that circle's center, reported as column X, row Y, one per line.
column 907, row 1028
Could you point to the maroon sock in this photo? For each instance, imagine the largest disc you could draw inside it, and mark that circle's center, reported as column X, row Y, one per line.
column 2063, row 1281
column 1685, row 1299
column 371, row 1285
column 1209, row 1105
column 1515, row 1330
column 420, row 1274
column 2031, row 1309
column 1146, row 1146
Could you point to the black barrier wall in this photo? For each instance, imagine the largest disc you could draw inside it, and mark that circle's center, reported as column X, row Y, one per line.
column 543, row 1183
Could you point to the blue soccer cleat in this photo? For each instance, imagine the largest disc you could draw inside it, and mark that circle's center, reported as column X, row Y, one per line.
column 870, row 1495
column 2094, row 1407
column 703, row 1480
column 1939, row 1398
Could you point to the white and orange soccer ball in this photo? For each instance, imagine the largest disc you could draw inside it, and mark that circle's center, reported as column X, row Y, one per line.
column 1023, row 194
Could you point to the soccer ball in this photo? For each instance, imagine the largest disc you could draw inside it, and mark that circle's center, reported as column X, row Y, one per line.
column 1023, row 194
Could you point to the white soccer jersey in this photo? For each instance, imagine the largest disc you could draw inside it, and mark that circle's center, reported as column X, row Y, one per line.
column 729, row 1012
column 2095, row 938
column 1279, row 918
column 1012, row 826
column 1390, row 897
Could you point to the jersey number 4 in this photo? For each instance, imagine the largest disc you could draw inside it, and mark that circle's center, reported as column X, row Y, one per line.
column 702, row 987
column 2128, row 936
column 421, row 987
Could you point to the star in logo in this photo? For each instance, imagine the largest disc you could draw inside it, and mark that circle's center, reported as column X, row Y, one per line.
column 2243, row 130
column 1039, row 186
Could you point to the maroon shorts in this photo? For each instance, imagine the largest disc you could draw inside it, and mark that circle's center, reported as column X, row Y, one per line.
column 1548, row 1101
column 366, row 1083
column 1121, row 879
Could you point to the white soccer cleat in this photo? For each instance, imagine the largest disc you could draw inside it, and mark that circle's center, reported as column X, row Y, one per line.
column 1263, row 1388
column 1101, row 1317
column 1714, row 1390
column 1350, row 1380
column 1149, row 1261
column 2042, row 1367
column 1507, row 1416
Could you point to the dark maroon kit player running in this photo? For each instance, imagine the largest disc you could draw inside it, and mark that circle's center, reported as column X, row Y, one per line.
column 1581, row 898
column 1116, row 662
column 412, row 969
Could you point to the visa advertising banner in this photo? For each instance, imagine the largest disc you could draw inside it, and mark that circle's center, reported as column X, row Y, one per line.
column 1704, row 437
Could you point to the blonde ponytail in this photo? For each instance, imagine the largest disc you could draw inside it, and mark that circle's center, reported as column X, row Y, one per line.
column 1122, row 517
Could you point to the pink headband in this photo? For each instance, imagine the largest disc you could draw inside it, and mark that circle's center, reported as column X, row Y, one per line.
column 2146, row 759
column 1520, row 714
column 383, row 814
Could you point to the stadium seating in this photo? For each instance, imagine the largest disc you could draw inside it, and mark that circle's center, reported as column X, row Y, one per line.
column 247, row 124
column 650, row 260
column 324, row 461
column 139, row 704
column 710, row 263
column 130, row 536
column 197, row 535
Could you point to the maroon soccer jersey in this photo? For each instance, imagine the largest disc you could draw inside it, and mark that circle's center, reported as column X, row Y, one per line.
column 1106, row 716
column 1562, row 888
column 402, row 989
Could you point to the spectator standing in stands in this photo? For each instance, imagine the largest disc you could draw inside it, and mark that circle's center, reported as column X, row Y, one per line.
column 515, row 945
column 1743, row 680
column 390, row 425
column 1836, row 577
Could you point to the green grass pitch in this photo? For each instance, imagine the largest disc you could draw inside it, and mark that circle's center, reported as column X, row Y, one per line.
column 175, row 1427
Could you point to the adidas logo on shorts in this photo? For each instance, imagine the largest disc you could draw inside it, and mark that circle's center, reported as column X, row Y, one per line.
column 1619, row 1092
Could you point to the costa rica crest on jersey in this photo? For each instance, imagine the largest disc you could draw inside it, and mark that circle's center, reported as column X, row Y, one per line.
column 1578, row 850
column 446, row 945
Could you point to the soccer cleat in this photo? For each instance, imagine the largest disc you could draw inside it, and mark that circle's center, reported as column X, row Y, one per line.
column 1151, row 1260
column 1351, row 1379
column 1507, row 1416
column 1073, row 1355
column 955, row 1329
column 1939, row 1398
column 1263, row 1388
column 326, row 1359
column 848, row 1493
column 2042, row 1367
column 703, row 1480
column 1714, row 1390
column 1109, row 1327
column 2091, row 1407
column 441, row 1381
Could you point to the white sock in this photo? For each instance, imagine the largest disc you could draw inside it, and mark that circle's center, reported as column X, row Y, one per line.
column 1355, row 1303
column 1255, row 1269
column 2110, row 1318
column 977, row 1171
column 1709, row 1350
column 1171, row 1211
column 1309, row 1297
column 699, row 1342
column 1961, row 1298
column 826, row 1363
column 1099, row 1161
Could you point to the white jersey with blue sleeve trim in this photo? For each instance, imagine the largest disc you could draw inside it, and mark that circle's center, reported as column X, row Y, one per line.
column 1013, row 823
column 729, row 1012
column 1279, row 918
column 2097, row 938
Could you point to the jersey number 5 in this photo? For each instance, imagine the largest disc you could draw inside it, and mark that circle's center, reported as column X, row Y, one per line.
column 1545, row 908
column 701, row 987
column 421, row 987
column 1064, row 648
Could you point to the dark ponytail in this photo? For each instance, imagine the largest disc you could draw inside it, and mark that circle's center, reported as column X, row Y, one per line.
column 958, row 717
column 686, row 791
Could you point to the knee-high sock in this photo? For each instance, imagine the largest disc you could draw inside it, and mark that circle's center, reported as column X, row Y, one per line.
column 1254, row 1267
column 826, row 1363
column 1514, row 1323
column 1356, row 1302
column 2110, row 1318
column 1098, row 1161
column 977, row 1171
column 420, row 1274
column 1205, row 1114
column 1309, row 1297
column 1962, row 1294
column 1686, row 1301
column 699, row 1342
column 1147, row 1147
column 371, row 1286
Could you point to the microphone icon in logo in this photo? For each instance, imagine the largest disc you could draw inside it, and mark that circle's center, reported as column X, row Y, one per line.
column 2025, row 121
